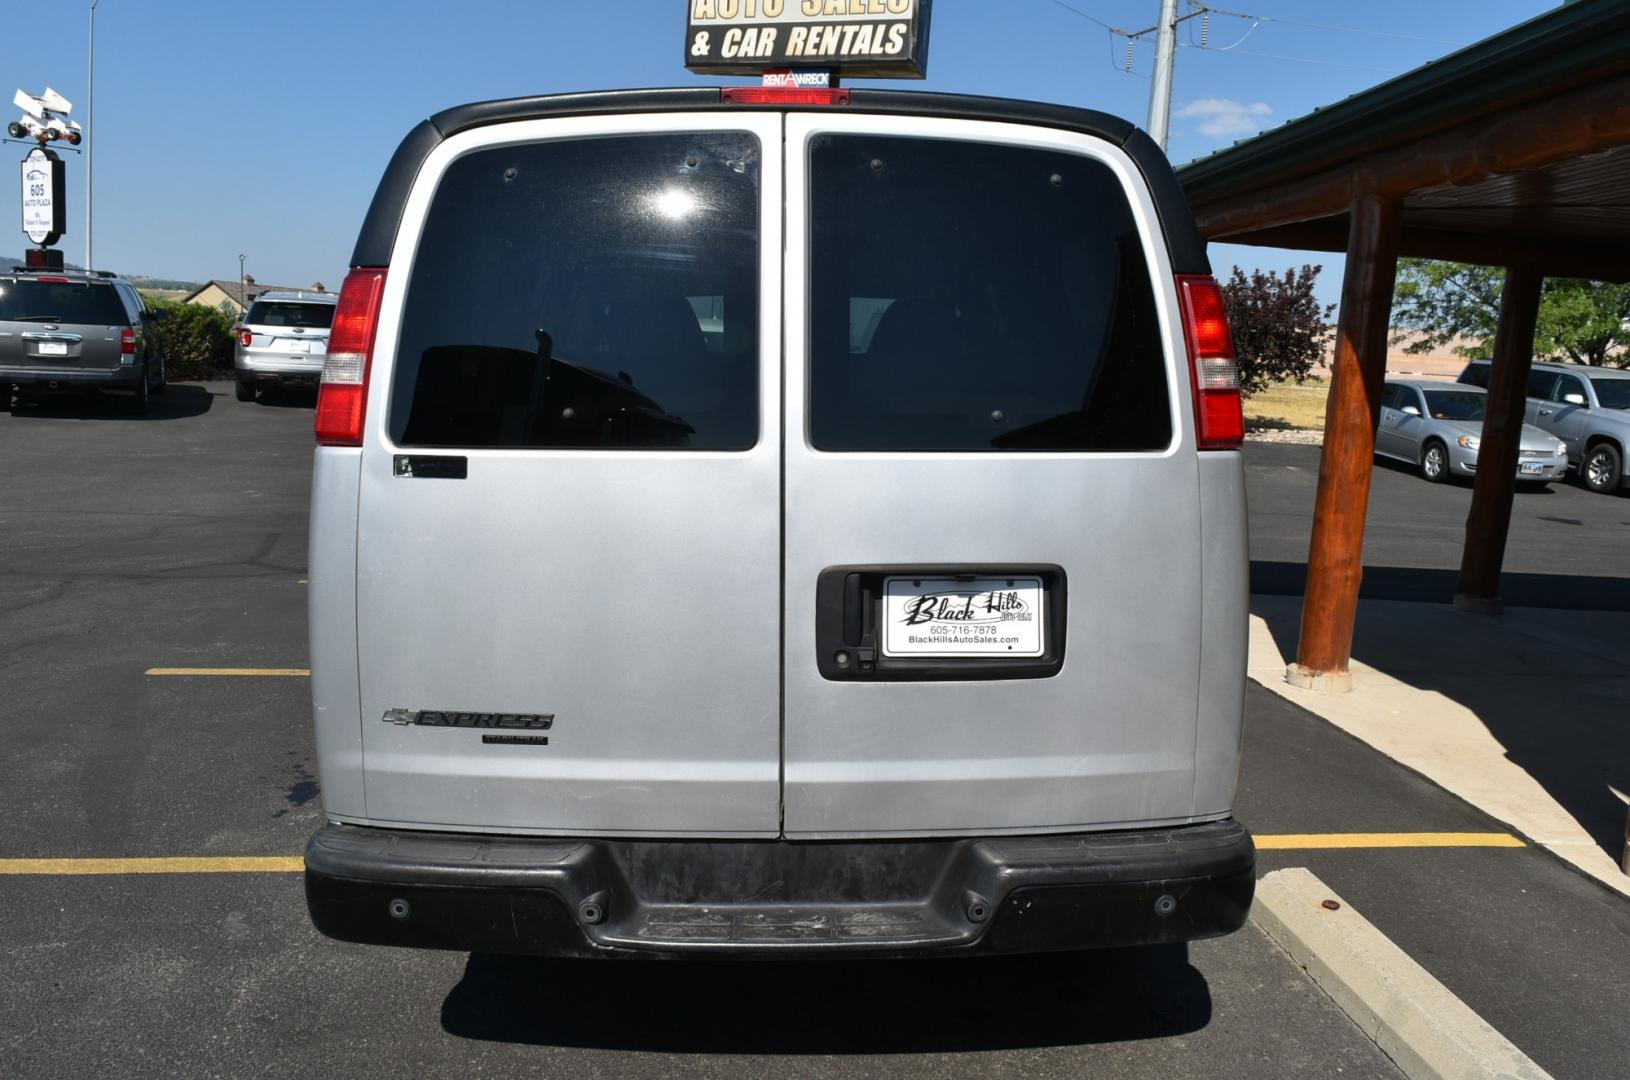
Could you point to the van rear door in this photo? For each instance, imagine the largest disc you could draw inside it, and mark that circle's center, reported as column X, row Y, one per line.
column 992, row 512
column 568, row 588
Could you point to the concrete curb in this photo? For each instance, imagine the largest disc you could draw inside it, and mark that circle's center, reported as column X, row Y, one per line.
column 1413, row 1018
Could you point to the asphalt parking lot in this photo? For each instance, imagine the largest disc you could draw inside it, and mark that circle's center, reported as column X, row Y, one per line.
column 1567, row 547
column 179, row 540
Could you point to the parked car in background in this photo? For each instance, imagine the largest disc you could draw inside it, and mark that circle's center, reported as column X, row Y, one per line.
column 1588, row 408
column 282, row 341
column 77, row 330
column 1436, row 426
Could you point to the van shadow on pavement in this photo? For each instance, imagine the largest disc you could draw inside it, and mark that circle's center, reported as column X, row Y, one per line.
column 1552, row 687
column 831, row 1007
column 287, row 397
column 178, row 402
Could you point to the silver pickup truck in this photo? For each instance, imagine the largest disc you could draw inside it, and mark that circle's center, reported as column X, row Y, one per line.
column 1588, row 408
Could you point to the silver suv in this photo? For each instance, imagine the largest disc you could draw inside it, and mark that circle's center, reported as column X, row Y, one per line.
column 73, row 330
column 759, row 530
column 1588, row 408
column 282, row 341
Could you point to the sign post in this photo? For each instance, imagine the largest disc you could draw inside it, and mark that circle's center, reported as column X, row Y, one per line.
column 45, row 185
column 858, row 38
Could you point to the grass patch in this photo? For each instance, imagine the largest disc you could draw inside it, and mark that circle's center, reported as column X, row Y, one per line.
column 1288, row 406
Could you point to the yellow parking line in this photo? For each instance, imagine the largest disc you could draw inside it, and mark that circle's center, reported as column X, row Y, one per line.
column 293, row 864
column 224, row 864
column 299, row 672
column 1316, row 841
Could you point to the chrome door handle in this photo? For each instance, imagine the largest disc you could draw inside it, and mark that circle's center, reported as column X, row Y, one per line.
column 1546, row 412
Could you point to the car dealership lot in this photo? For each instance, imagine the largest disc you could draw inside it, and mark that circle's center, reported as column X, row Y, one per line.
column 178, row 541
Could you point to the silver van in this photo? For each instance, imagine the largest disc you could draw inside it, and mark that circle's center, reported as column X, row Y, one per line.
column 742, row 528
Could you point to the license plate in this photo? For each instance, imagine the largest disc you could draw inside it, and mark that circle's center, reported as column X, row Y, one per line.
column 947, row 617
column 1531, row 467
column 299, row 346
column 53, row 348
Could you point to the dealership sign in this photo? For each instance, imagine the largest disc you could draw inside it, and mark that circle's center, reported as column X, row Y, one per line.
column 45, row 203
column 861, row 38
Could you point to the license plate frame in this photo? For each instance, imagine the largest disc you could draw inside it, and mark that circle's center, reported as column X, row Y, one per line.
column 983, row 618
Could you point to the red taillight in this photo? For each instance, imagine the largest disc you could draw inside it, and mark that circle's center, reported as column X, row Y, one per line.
column 782, row 95
column 1213, row 367
column 51, row 280
column 246, row 338
column 127, row 340
column 342, row 395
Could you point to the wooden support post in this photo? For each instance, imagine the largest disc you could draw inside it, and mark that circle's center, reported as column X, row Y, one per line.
column 1335, row 560
column 1490, row 517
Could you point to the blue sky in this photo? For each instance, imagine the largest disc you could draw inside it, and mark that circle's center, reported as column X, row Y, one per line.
column 262, row 128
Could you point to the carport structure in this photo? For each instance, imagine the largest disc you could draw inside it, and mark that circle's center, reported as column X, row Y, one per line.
column 1513, row 152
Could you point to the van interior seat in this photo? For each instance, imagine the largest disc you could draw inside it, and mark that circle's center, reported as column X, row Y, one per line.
column 920, row 358
column 659, row 343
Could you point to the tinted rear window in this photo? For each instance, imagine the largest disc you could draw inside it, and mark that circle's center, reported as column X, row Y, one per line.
column 290, row 313
column 586, row 293
column 1455, row 404
column 1475, row 375
column 1612, row 393
column 43, row 301
column 1540, row 384
column 967, row 296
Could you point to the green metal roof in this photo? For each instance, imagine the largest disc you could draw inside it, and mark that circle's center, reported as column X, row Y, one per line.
column 1570, row 46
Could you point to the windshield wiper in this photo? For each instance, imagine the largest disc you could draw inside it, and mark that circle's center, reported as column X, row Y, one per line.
column 38, row 318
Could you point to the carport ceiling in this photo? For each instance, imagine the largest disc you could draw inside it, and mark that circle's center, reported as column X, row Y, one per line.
column 1514, row 149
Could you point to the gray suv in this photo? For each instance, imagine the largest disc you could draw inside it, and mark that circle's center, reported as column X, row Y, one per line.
column 282, row 341
column 75, row 330
column 1588, row 408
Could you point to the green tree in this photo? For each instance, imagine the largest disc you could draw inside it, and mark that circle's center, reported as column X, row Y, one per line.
column 1582, row 321
column 196, row 339
column 1280, row 329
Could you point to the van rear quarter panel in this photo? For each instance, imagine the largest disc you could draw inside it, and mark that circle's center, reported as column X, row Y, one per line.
column 1224, row 630
column 331, row 602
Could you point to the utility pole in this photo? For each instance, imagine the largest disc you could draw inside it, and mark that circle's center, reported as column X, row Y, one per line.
column 1160, row 94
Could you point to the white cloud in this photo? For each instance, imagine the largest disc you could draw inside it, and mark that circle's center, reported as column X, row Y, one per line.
column 1224, row 118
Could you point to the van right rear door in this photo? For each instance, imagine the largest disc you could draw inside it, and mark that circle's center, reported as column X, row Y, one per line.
column 993, row 539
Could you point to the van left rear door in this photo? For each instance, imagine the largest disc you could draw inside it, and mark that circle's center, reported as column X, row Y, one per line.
column 568, row 547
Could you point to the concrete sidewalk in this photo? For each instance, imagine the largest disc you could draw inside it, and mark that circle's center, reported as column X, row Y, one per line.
column 1526, row 716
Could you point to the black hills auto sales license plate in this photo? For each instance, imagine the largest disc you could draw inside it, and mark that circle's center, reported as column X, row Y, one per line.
column 949, row 617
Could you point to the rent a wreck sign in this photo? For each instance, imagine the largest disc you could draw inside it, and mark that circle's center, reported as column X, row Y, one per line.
column 860, row 38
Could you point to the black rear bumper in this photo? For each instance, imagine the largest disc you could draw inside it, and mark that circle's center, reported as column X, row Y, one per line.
column 568, row 897
column 35, row 379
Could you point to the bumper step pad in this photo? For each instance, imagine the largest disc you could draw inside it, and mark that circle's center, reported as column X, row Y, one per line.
column 746, row 897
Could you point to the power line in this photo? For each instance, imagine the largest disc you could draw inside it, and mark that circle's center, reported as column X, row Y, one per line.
column 1256, row 20
column 1296, row 59
column 1090, row 18
column 1321, row 26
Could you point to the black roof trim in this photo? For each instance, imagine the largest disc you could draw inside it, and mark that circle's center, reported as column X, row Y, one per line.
column 379, row 227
